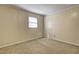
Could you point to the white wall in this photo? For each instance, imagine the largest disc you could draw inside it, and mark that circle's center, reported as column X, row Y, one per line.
column 64, row 26
column 14, row 26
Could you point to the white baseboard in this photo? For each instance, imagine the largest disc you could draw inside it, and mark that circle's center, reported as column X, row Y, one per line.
column 16, row 42
column 66, row 42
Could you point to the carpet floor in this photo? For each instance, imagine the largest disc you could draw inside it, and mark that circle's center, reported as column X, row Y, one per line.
column 40, row 46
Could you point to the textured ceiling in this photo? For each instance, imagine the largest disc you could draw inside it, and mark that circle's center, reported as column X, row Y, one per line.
column 45, row 9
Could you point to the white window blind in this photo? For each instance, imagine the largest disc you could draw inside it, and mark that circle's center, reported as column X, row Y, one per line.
column 32, row 22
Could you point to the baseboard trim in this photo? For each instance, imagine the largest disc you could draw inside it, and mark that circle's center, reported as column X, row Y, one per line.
column 66, row 42
column 17, row 42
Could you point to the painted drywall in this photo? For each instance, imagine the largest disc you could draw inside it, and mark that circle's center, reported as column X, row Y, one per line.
column 64, row 26
column 14, row 25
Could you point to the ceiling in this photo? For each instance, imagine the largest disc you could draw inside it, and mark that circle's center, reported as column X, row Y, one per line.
column 45, row 9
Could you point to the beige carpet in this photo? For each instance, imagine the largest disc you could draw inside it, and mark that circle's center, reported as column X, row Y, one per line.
column 40, row 46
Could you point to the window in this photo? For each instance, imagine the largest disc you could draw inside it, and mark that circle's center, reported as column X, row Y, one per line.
column 32, row 22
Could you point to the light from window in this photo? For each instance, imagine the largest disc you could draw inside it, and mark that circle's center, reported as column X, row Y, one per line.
column 32, row 22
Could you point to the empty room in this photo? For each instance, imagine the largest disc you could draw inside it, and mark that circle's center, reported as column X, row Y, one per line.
column 39, row 28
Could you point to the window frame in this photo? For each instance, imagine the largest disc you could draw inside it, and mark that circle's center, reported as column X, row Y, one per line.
column 32, row 24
